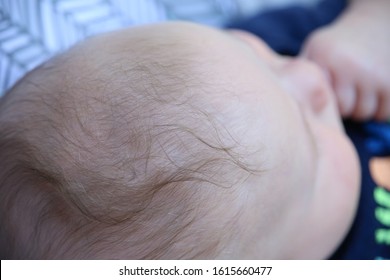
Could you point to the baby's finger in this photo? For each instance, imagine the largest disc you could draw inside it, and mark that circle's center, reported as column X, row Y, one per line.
column 383, row 111
column 366, row 105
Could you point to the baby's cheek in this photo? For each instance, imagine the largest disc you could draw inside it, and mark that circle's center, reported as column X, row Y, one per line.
column 342, row 159
column 339, row 185
column 347, row 165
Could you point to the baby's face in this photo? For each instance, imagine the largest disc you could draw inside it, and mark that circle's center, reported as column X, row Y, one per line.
column 282, row 111
column 311, row 188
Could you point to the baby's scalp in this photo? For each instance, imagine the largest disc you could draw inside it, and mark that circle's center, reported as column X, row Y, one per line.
column 114, row 146
column 147, row 143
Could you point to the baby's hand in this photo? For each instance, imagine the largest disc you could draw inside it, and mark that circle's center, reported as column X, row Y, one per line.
column 355, row 53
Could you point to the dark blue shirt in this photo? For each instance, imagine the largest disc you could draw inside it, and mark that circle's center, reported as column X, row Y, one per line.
column 285, row 31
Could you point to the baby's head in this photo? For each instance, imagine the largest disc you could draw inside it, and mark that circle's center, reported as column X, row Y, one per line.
column 174, row 141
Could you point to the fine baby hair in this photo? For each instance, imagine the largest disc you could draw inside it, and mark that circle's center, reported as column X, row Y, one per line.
column 111, row 152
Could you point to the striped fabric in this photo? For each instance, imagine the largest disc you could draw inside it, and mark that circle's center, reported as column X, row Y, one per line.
column 31, row 31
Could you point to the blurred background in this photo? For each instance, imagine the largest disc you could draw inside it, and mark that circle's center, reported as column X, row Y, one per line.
column 31, row 31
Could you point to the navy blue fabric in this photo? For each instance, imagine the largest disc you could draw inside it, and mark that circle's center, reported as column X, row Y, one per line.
column 378, row 138
column 361, row 241
column 285, row 31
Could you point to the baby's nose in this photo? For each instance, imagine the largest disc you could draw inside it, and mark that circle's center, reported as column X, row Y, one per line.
column 308, row 84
